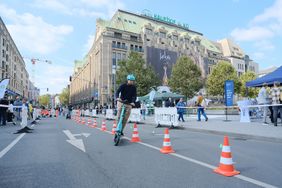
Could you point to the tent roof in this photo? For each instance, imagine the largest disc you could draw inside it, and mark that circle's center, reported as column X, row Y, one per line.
column 275, row 76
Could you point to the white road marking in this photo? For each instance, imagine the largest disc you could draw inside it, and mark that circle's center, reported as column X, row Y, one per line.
column 241, row 177
column 78, row 143
column 12, row 144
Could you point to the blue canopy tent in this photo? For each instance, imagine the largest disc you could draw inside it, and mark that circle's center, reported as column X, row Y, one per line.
column 269, row 79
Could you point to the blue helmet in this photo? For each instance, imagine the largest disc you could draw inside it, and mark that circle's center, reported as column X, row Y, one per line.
column 131, row 77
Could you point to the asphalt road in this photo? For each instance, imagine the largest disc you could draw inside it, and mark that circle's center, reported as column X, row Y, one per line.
column 45, row 159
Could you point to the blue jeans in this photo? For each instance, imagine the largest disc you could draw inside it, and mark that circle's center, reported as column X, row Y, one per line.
column 180, row 116
column 201, row 111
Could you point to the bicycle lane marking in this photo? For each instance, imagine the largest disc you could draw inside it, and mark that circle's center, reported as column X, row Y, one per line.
column 241, row 177
column 12, row 144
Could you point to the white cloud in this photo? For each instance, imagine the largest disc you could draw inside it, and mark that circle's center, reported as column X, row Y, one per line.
column 55, row 77
column 272, row 13
column 33, row 33
column 251, row 33
column 52, row 5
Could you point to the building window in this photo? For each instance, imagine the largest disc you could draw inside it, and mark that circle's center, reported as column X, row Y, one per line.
column 131, row 46
column 3, row 43
column 148, row 31
column 117, row 35
column 123, row 46
column 134, row 22
column 125, row 20
column 130, row 21
column 3, row 53
column 134, row 38
column 123, row 56
column 162, row 34
column 118, row 57
column 118, row 44
column 174, row 37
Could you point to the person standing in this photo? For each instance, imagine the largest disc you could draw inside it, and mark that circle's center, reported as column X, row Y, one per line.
column 263, row 100
column 275, row 95
column 180, row 109
column 201, row 104
column 3, row 110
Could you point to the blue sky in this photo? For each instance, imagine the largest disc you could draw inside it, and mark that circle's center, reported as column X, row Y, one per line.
column 63, row 30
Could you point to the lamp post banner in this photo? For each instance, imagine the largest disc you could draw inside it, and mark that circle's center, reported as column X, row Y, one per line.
column 229, row 92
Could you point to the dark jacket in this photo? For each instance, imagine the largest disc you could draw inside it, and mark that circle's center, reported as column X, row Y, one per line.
column 127, row 92
column 4, row 102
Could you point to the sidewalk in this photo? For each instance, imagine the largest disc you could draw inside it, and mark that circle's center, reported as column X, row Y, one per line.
column 217, row 125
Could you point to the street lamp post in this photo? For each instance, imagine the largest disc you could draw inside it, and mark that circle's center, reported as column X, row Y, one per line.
column 114, row 77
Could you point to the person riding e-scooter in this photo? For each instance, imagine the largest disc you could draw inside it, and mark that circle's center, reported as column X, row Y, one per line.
column 126, row 92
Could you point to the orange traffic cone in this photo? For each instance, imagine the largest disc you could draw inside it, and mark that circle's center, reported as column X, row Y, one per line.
column 226, row 167
column 94, row 123
column 166, row 144
column 83, row 121
column 103, row 128
column 135, row 135
column 89, row 122
column 114, row 127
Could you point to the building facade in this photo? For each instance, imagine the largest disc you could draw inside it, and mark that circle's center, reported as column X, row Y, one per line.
column 12, row 65
column 33, row 93
column 239, row 60
column 160, row 40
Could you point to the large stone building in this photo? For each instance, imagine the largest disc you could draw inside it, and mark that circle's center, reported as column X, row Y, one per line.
column 12, row 65
column 160, row 40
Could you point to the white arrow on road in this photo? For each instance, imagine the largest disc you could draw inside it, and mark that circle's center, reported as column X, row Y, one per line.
column 78, row 143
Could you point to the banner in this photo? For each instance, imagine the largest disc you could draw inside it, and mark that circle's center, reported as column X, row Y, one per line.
column 3, row 85
column 229, row 92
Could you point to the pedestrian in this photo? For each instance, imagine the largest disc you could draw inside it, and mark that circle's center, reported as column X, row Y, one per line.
column 275, row 95
column 201, row 104
column 180, row 109
column 11, row 113
column 143, row 110
column 3, row 110
column 18, row 104
column 263, row 100
column 169, row 103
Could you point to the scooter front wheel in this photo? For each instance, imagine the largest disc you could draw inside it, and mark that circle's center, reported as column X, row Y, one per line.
column 117, row 139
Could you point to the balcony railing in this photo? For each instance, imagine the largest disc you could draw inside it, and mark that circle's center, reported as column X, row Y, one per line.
column 119, row 46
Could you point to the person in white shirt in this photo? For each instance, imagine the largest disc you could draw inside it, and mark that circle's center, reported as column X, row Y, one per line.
column 263, row 100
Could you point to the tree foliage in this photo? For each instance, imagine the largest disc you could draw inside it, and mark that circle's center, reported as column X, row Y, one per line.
column 221, row 72
column 44, row 100
column 252, row 92
column 144, row 74
column 186, row 77
column 64, row 96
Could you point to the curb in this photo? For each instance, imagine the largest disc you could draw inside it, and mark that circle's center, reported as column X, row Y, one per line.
column 232, row 134
column 236, row 135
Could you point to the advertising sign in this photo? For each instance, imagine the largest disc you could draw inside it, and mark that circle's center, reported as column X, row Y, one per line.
column 161, row 61
column 229, row 92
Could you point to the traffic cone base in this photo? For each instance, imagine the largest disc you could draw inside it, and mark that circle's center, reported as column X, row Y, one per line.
column 166, row 144
column 226, row 167
column 94, row 123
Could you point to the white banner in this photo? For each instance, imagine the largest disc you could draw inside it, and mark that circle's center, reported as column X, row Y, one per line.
column 3, row 86
column 166, row 116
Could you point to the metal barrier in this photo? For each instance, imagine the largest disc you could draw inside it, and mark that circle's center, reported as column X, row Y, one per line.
column 135, row 115
column 110, row 114
column 166, row 116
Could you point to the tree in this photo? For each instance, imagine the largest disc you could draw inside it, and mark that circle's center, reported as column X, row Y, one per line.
column 44, row 100
column 186, row 77
column 144, row 74
column 252, row 92
column 221, row 72
column 64, row 96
